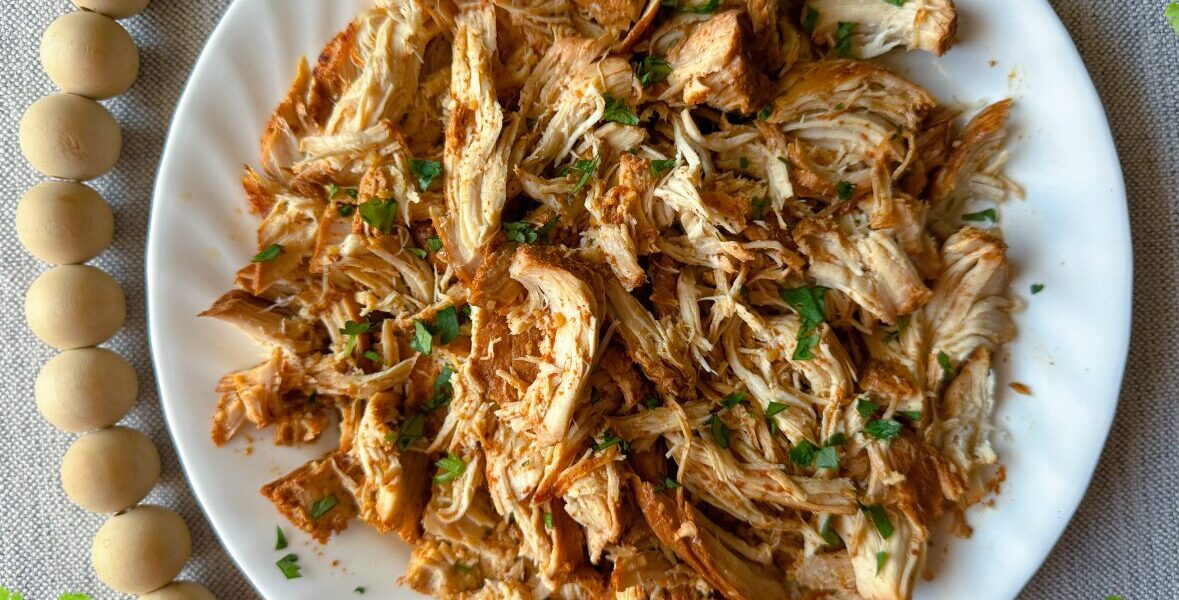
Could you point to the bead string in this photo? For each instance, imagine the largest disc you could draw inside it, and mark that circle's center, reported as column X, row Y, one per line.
column 70, row 138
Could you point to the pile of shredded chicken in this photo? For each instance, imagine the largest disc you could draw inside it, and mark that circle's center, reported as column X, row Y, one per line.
column 629, row 299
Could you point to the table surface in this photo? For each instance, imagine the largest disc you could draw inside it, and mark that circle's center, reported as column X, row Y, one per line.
column 1123, row 541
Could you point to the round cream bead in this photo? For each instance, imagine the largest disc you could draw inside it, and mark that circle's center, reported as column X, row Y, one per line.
column 140, row 550
column 90, row 55
column 180, row 590
column 85, row 389
column 110, row 470
column 116, row 9
column 70, row 137
column 63, row 222
column 74, row 306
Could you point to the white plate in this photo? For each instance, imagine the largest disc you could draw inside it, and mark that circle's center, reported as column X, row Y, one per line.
column 1072, row 234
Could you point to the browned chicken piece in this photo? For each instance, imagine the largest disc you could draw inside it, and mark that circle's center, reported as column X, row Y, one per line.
column 712, row 65
column 313, row 497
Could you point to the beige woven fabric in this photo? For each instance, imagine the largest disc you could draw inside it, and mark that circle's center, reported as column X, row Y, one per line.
column 1124, row 540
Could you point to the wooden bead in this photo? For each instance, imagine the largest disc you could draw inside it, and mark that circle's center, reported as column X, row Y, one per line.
column 85, row 389
column 90, row 55
column 110, row 470
column 74, row 306
column 63, row 222
column 180, row 590
column 141, row 550
column 115, row 9
column 70, row 137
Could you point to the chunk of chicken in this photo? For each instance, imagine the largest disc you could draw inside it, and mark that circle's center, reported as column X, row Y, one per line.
column 877, row 27
column 711, row 65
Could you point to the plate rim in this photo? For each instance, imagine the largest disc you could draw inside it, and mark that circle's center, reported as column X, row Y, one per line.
column 1117, row 193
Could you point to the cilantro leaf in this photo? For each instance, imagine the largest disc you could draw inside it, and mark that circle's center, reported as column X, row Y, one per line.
column 659, row 167
column 827, row 532
column 653, row 402
column 447, row 323
column 667, row 484
column 280, row 539
column 287, row 565
column 733, row 399
column 426, row 171
column 897, row 3
column 883, row 429
column 844, row 189
column 879, row 519
column 548, row 520
column 412, row 430
column 980, row 216
column 422, row 338
column 587, row 169
column 352, row 329
column 810, row 20
column 803, row 453
column 948, row 370
column 373, row 356
column 809, row 302
column 618, row 112
column 758, row 208
column 775, row 408
column 720, row 431
column 827, row 458
column 321, row 506
column 270, row 253
column 882, row 556
column 379, row 214
column 837, row 439
column 524, row 232
column 610, row 439
column 450, row 467
column 866, row 408
column 843, row 35
column 652, row 69
column 1037, row 288
column 702, row 9
column 434, row 243
column 418, row 252
column 910, row 415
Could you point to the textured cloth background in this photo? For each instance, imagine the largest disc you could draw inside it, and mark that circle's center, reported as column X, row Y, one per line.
column 1124, row 540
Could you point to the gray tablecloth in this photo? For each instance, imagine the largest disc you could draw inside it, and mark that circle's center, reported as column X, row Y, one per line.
column 1124, row 540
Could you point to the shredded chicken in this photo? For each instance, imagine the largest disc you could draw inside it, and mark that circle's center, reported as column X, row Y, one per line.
column 628, row 300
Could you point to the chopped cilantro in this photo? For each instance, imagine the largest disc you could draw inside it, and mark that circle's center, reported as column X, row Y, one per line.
column 434, row 243
column 866, row 408
column 280, row 541
column 882, row 556
column 879, row 519
column 844, row 189
column 809, row 302
column 733, row 399
column 758, row 208
column 287, row 565
column 270, row 253
column 351, row 330
column 653, row 402
column 827, row 532
column 843, row 35
column 373, row 356
column 587, row 168
column 667, row 484
column 610, row 439
column 883, row 429
column 896, row 2
column 618, row 112
column 422, row 339
column 379, row 214
column 765, row 113
column 412, row 430
column 720, row 431
column 948, row 370
column 910, row 415
column 414, row 250
column 548, row 520
column 1037, row 288
column 447, row 323
column 702, row 9
column 345, row 210
column 652, row 69
column 426, row 171
column 321, row 506
column 659, row 167
column 837, row 439
column 803, row 453
column 450, row 467
column 980, row 216
column 810, row 20
column 743, row 163
column 827, row 458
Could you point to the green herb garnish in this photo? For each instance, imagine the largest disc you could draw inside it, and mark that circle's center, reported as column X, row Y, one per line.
column 882, row 556
column 843, row 35
column 321, row 506
column 447, row 323
column 610, row 439
column 426, row 171
column 879, row 519
column 434, row 243
column 352, row 329
column 1037, row 288
column 422, row 338
column 982, row 215
column 280, row 541
column 803, row 453
column 652, row 69
column 809, row 302
column 844, row 189
column 379, row 214
column 883, row 429
column 720, row 431
column 450, row 467
column 659, row 167
column 618, row 112
column 287, row 565
column 810, row 20
column 667, row 484
column 270, row 253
